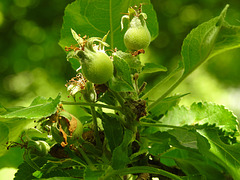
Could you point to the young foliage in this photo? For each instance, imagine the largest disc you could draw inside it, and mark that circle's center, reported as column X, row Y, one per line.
column 225, row 155
column 128, row 133
column 200, row 114
column 202, row 43
column 96, row 18
column 13, row 122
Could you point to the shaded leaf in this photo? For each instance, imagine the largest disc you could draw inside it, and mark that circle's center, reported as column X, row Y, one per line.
column 146, row 169
column 120, row 154
column 180, row 138
column 59, row 178
column 25, row 171
column 166, row 104
column 228, row 38
column 113, row 131
column 92, row 175
column 160, row 143
column 74, row 63
column 186, row 138
column 192, row 163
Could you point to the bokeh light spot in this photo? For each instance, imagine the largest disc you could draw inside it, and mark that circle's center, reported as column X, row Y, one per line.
column 18, row 83
column 1, row 18
column 30, row 30
column 190, row 14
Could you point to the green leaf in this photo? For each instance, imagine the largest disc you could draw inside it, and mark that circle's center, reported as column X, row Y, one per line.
column 186, row 138
column 56, row 173
column 120, row 85
column 166, row 104
column 75, row 172
column 202, row 43
column 152, row 68
column 192, row 163
column 113, row 131
column 2, row 109
column 108, row 98
column 197, row 46
column 14, row 122
column 35, row 134
column 122, row 81
column 159, row 143
column 74, row 63
column 39, row 100
column 96, row 18
column 202, row 113
column 4, row 131
column 39, row 108
column 92, row 175
column 133, row 61
column 158, row 92
column 228, row 156
column 180, row 138
column 25, row 171
column 228, row 38
column 120, row 154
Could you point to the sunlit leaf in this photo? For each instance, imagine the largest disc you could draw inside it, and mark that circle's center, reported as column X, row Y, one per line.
column 202, row 113
column 133, row 61
column 152, row 68
column 202, row 43
column 122, row 81
column 96, row 18
column 120, row 154
column 197, row 46
column 38, row 109
column 14, row 122
column 2, row 109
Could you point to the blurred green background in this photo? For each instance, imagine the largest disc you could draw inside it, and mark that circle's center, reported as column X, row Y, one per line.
column 33, row 64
